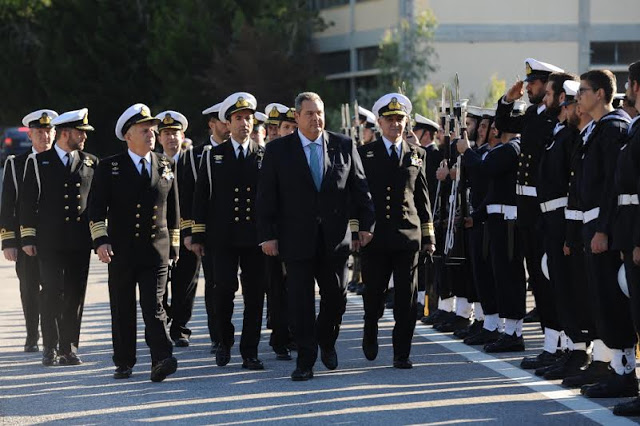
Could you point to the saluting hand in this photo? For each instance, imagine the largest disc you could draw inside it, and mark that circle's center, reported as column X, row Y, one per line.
column 104, row 253
column 30, row 250
column 516, row 92
column 11, row 254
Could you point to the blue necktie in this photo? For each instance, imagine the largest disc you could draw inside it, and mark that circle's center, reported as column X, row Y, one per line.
column 314, row 164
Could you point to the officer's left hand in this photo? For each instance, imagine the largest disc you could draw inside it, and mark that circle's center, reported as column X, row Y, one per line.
column 429, row 248
column 11, row 254
column 187, row 242
column 636, row 255
column 463, row 143
column 599, row 243
column 365, row 238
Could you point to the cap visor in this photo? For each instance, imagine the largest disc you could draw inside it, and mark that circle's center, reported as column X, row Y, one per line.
column 86, row 127
column 394, row 113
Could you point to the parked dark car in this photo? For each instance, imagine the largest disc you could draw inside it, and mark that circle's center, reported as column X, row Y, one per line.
column 14, row 141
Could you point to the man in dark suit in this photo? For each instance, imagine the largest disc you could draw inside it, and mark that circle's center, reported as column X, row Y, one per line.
column 136, row 193
column 41, row 133
column 54, row 226
column 396, row 174
column 224, row 215
column 310, row 182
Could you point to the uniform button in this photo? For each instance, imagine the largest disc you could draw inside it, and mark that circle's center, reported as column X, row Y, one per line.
column 527, row 165
column 78, row 196
column 77, row 219
column 66, row 196
column 236, row 199
column 138, row 206
column 388, row 188
column 526, row 183
column 155, row 207
column 154, row 217
column 526, row 174
column 248, row 201
column 66, row 219
column 522, row 155
column 572, row 173
column 153, row 235
column 236, row 209
column 388, row 198
column 388, row 217
column 66, row 207
column 520, row 164
column 248, row 218
column 153, row 226
column 388, row 207
column 248, row 209
column 137, row 235
column 529, row 155
column 77, row 185
column 137, row 225
column 236, row 189
column 137, row 215
column 66, row 185
column 79, row 207
column 237, row 219
column 248, row 189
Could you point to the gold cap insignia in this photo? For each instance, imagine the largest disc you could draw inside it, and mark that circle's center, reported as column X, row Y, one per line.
column 529, row 69
column 291, row 113
column 242, row 103
column 85, row 119
column 394, row 104
column 274, row 113
column 45, row 119
column 145, row 112
column 168, row 119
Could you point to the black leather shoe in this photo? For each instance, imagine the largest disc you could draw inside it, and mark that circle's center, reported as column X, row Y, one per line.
column 360, row 289
column 181, row 342
column 629, row 408
column 473, row 329
column 390, row 299
column 614, row 386
column 571, row 366
column 301, row 375
column 292, row 346
column 49, row 357
column 352, row 286
column 31, row 348
column 543, row 359
column 329, row 358
column 429, row 319
column 122, row 372
column 595, row 372
column 532, row 316
column 282, row 354
column 443, row 319
column 482, row 338
column 457, row 323
column 163, row 368
column 214, row 347
column 402, row 363
column 252, row 364
column 69, row 359
column 370, row 341
column 506, row 343
column 223, row 355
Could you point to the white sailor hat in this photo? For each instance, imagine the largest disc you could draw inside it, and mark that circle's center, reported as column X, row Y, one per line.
column 474, row 111
column 172, row 120
column 77, row 119
column 423, row 122
column 488, row 113
column 392, row 104
column 213, row 110
column 275, row 112
column 135, row 114
column 539, row 70
column 237, row 102
column 365, row 114
column 570, row 88
column 39, row 119
column 259, row 118
column 518, row 108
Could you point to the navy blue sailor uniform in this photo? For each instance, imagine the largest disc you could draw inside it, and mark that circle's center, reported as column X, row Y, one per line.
column 53, row 217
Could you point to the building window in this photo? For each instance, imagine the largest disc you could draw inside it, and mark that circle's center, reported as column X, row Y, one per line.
column 614, row 52
column 335, row 62
column 367, row 57
column 325, row 4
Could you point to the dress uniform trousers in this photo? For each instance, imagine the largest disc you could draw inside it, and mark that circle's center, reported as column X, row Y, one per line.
column 28, row 271
column 481, row 266
column 632, row 272
column 426, row 277
column 532, row 249
column 329, row 269
column 508, row 268
column 184, row 282
column 124, row 274
column 64, row 284
column 278, row 305
column 611, row 307
column 225, row 263
column 209, row 298
column 377, row 268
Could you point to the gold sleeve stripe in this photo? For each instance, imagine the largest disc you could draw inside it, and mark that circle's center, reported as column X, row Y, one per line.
column 427, row 229
column 7, row 235
column 354, row 225
column 175, row 237
column 98, row 229
column 27, row 232
column 197, row 228
column 186, row 224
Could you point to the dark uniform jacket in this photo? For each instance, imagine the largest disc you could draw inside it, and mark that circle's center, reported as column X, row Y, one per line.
column 9, row 208
column 478, row 183
column 554, row 169
column 53, row 203
column 573, row 236
column 291, row 209
column 596, row 187
column 224, row 200
column 434, row 158
column 536, row 130
column 626, row 234
column 400, row 196
column 140, row 221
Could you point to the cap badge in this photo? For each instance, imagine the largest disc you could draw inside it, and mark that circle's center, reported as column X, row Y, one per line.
column 274, row 113
column 291, row 113
column 242, row 103
column 45, row 119
column 168, row 119
column 394, row 104
column 85, row 119
column 144, row 111
column 529, row 70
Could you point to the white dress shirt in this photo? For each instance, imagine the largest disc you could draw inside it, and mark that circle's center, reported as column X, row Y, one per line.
column 388, row 143
column 63, row 154
column 236, row 145
column 136, row 160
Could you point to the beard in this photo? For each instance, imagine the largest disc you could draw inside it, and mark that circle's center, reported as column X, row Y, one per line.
column 536, row 99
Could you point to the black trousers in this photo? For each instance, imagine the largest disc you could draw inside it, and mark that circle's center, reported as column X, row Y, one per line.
column 279, row 305
column 567, row 282
column 632, row 272
column 207, row 267
column 124, row 274
column 612, row 310
column 184, row 283
column 426, row 274
column 532, row 245
column 28, row 271
column 482, row 271
column 225, row 264
column 508, row 268
column 64, row 285
column 377, row 268
column 329, row 270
